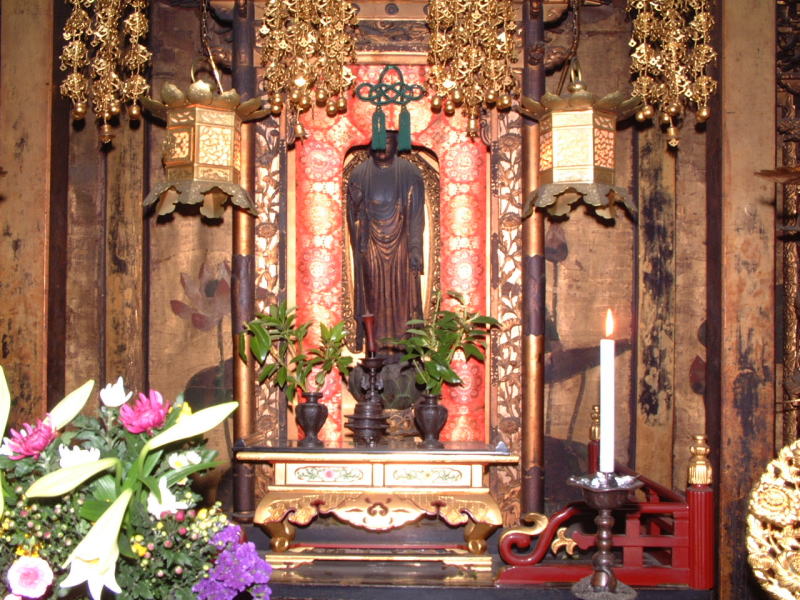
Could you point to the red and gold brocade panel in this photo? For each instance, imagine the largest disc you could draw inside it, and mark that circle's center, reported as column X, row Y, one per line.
column 320, row 233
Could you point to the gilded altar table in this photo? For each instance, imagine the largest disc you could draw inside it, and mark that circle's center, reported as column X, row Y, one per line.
column 379, row 489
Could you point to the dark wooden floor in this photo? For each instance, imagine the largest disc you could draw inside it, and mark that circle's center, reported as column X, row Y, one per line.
column 403, row 592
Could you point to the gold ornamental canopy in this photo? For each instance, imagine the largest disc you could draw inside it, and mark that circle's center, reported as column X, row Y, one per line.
column 576, row 149
column 202, row 149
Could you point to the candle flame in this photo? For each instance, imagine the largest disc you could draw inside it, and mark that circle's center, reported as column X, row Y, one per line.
column 609, row 323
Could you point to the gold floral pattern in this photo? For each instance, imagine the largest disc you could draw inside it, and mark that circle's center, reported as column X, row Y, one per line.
column 773, row 534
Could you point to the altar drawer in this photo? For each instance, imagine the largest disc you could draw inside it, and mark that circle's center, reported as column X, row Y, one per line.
column 322, row 474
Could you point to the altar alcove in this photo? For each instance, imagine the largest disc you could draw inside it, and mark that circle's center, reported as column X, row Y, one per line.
column 95, row 287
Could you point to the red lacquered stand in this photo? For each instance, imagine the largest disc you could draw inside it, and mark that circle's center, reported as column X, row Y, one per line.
column 668, row 538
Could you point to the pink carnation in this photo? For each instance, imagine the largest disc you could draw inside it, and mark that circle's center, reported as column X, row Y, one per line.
column 148, row 413
column 30, row 440
column 29, row 576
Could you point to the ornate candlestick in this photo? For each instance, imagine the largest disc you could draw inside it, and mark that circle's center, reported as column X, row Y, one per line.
column 368, row 423
column 604, row 492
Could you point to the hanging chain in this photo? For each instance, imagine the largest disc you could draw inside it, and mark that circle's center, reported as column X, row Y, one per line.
column 572, row 56
column 206, row 47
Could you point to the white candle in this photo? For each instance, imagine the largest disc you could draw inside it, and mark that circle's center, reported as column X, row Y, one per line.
column 607, row 398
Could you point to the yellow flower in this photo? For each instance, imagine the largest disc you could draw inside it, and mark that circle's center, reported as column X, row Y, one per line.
column 139, row 549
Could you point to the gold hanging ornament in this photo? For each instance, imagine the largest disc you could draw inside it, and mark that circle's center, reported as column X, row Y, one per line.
column 472, row 47
column 202, row 149
column 672, row 50
column 306, row 49
column 106, row 58
column 576, row 149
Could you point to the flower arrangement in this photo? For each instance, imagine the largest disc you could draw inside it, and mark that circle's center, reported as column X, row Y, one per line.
column 106, row 502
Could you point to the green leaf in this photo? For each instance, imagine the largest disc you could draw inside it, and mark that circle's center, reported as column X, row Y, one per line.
column 474, row 351
column 177, row 475
column 72, row 404
column 150, row 462
column 92, row 508
column 192, row 425
column 2, row 495
column 65, row 480
column 104, row 489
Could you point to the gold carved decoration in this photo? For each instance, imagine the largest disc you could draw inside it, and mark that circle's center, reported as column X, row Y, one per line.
column 378, row 510
column 534, row 524
column 105, row 58
column 700, row 471
column 430, row 176
column 506, row 294
column 773, row 538
column 672, row 50
column 563, row 541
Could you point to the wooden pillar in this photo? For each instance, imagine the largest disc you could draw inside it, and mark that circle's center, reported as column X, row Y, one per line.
column 243, row 264
column 533, row 274
column 26, row 95
column 741, row 274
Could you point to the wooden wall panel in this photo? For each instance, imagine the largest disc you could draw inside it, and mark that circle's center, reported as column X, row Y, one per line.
column 125, row 325
column 85, row 255
column 25, row 97
column 690, row 298
column 741, row 275
column 655, row 373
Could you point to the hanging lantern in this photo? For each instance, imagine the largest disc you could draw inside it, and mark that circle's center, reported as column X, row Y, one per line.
column 202, row 149
column 576, row 149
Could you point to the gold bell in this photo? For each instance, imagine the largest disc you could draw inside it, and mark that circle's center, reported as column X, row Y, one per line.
column 106, row 133
column 79, row 112
column 436, row 104
column 504, row 102
column 472, row 127
column 341, row 105
column 331, row 110
column 672, row 136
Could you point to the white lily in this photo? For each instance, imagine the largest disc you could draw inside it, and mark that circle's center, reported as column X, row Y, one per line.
column 180, row 460
column 168, row 503
column 113, row 395
column 94, row 559
column 72, row 457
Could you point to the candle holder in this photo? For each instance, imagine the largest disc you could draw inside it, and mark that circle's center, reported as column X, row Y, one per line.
column 368, row 422
column 604, row 492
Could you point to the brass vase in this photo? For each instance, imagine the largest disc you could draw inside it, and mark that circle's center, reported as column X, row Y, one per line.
column 310, row 416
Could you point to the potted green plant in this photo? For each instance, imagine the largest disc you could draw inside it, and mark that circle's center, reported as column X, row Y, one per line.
column 277, row 343
column 431, row 344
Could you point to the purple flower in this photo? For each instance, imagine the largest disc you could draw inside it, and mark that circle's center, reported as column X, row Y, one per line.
column 238, row 568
